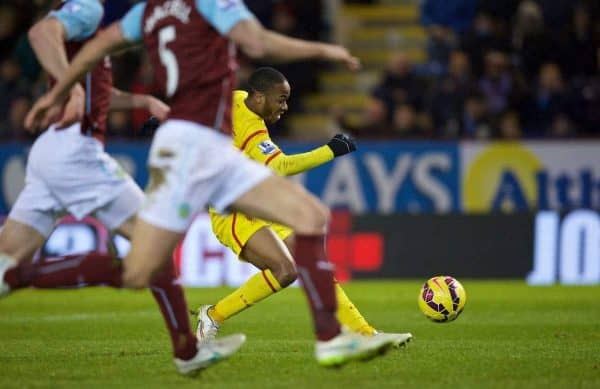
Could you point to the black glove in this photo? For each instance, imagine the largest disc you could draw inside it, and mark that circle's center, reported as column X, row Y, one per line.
column 149, row 126
column 341, row 144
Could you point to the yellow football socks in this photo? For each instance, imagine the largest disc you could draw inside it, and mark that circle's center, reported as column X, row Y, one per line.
column 349, row 316
column 264, row 284
column 258, row 287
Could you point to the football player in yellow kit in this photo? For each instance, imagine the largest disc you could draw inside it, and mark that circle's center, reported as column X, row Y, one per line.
column 264, row 244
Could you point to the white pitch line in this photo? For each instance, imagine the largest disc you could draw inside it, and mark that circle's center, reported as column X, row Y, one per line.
column 18, row 318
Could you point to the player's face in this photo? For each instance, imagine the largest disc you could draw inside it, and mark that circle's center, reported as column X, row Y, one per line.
column 276, row 102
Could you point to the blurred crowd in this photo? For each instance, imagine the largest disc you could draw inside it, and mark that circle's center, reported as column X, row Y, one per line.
column 501, row 69
column 22, row 80
column 504, row 69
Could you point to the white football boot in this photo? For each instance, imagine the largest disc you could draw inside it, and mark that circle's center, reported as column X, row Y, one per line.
column 209, row 353
column 401, row 339
column 207, row 327
column 6, row 263
column 348, row 346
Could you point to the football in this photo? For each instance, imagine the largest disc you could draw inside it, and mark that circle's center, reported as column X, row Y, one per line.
column 442, row 299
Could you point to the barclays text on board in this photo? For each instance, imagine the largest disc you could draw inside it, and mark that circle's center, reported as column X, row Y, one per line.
column 412, row 177
column 389, row 177
column 380, row 177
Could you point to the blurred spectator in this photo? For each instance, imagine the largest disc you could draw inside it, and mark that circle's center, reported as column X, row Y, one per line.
column 24, row 55
column 487, row 33
column 509, row 125
column 8, row 30
column 454, row 17
column 21, row 49
column 12, row 85
column 532, row 42
column 263, row 10
column 476, row 118
column 449, row 94
column 562, row 127
column 549, row 100
column 503, row 11
column 585, row 107
column 14, row 128
column 371, row 122
column 481, row 54
column 405, row 123
column 445, row 22
column 301, row 74
column 556, row 12
column 300, row 19
column 497, row 84
column 400, row 85
column 580, row 45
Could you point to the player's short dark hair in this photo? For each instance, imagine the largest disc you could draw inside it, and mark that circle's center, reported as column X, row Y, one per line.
column 263, row 79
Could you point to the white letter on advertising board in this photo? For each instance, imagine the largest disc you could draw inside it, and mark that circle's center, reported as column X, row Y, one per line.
column 580, row 248
column 544, row 251
column 429, row 185
column 387, row 185
column 343, row 187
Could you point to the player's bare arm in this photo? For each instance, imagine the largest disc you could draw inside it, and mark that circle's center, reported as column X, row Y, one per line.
column 47, row 41
column 121, row 100
column 47, row 37
column 105, row 43
column 258, row 42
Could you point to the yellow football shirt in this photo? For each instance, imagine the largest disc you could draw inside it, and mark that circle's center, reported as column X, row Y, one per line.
column 251, row 136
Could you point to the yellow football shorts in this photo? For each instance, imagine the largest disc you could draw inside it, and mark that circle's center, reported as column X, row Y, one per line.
column 234, row 230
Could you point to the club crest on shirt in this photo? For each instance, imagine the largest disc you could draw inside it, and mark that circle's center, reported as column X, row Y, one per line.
column 227, row 4
column 72, row 7
column 267, row 147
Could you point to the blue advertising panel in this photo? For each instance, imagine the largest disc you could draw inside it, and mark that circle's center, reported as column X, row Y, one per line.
column 13, row 159
column 388, row 177
column 381, row 177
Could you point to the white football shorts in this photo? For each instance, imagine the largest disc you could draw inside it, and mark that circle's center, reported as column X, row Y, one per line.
column 191, row 167
column 68, row 172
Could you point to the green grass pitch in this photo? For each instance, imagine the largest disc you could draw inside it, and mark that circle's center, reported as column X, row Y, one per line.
column 509, row 336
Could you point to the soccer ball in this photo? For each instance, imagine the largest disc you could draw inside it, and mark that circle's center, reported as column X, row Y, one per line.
column 442, row 298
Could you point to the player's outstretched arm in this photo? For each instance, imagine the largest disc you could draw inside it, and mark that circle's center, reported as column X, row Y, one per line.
column 121, row 100
column 109, row 41
column 258, row 42
column 289, row 165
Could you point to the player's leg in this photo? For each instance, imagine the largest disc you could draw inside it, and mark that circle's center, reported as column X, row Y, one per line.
column 30, row 221
column 149, row 264
column 126, row 228
column 265, row 250
column 32, row 217
column 347, row 313
column 157, row 270
column 291, row 205
column 179, row 178
column 67, row 271
column 18, row 243
column 226, row 179
column 92, row 172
